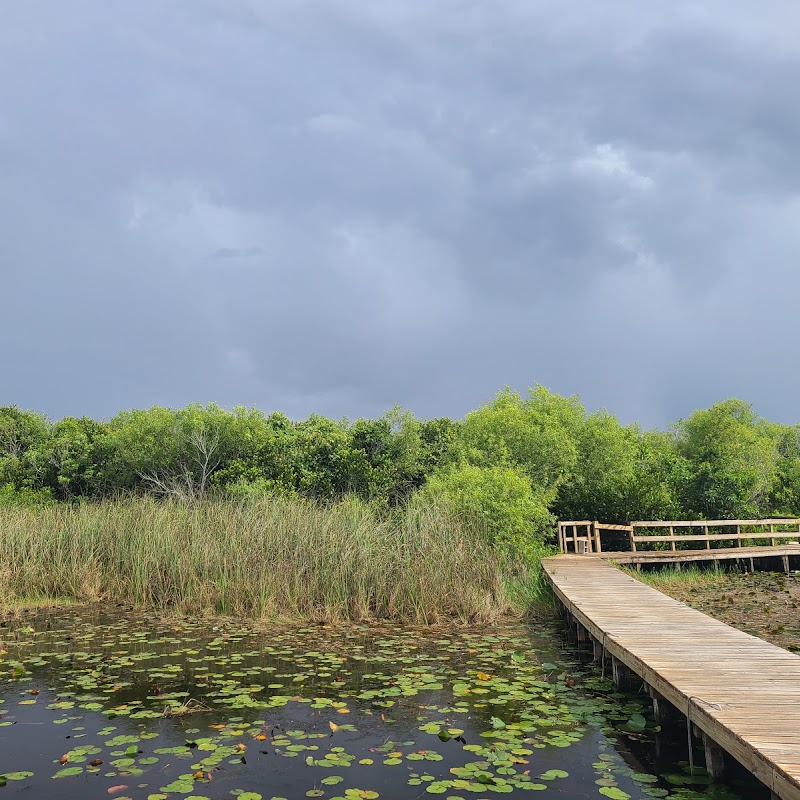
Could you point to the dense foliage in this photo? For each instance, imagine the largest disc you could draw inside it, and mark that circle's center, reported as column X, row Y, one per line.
column 515, row 464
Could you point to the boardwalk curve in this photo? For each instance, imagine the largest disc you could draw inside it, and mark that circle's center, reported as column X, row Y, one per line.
column 743, row 693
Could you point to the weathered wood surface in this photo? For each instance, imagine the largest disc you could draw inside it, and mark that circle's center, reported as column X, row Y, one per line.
column 741, row 691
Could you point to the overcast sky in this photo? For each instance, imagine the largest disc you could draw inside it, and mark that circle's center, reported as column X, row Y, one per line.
column 339, row 205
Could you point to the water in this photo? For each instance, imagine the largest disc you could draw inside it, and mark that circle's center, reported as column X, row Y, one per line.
column 98, row 704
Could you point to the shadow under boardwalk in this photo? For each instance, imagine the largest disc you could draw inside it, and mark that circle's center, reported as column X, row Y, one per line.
column 743, row 693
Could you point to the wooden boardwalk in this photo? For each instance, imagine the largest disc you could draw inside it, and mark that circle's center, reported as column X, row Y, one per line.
column 740, row 691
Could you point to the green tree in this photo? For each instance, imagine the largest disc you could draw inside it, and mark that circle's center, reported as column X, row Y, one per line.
column 327, row 464
column 536, row 435
column 620, row 474
column 599, row 484
column 732, row 461
column 265, row 459
column 401, row 452
column 21, row 433
column 72, row 461
column 176, row 452
column 785, row 494
column 659, row 478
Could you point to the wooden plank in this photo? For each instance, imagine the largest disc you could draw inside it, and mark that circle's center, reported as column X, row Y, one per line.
column 608, row 527
column 740, row 691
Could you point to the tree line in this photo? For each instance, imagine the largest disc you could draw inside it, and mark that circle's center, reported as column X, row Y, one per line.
column 517, row 463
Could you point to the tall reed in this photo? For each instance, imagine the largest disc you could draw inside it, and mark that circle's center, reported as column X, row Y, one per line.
column 267, row 557
column 671, row 578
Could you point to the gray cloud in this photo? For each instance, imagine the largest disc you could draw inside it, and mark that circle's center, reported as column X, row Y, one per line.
column 335, row 207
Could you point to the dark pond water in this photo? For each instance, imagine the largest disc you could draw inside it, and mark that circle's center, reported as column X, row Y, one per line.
column 99, row 705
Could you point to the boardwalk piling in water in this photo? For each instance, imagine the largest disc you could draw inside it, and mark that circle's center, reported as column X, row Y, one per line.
column 663, row 710
column 597, row 651
column 621, row 675
column 715, row 758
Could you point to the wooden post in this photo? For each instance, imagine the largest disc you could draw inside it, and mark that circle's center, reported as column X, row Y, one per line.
column 785, row 560
column 661, row 707
column 621, row 675
column 633, row 539
column 708, row 541
column 597, row 651
column 715, row 758
column 672, row 533
column 581, row 631
column 772, row 530
column 739, row 535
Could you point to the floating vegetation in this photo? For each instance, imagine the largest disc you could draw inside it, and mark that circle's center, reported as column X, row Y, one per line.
column 176, row 709
column 358, row 711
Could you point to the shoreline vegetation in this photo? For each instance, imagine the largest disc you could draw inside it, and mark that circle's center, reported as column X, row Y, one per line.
column 206, row 510
column 265, row 558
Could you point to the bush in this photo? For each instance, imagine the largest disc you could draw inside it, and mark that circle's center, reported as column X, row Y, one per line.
column 12, row 497
column 513, row 515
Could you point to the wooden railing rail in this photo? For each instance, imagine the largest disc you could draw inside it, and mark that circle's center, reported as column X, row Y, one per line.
column 715, row 523
column 584, row 536
column 764, row 529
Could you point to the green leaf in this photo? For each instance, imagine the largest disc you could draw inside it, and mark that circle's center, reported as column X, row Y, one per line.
column 614, row 793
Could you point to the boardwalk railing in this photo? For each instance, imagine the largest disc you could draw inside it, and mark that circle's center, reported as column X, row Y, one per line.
column 585, row 536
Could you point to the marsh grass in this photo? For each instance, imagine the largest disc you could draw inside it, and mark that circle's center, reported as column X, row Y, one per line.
column 673, row 579
column 264, row 558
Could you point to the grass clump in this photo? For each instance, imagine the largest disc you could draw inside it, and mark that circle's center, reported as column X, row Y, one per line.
column 672, row 578
column 263, row 558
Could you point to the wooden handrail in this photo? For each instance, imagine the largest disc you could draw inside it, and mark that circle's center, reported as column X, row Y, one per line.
column 719, row 537
column 569, row 534
column 714, row 523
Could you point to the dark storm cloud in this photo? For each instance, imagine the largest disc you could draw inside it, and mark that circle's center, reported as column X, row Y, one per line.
column 333, row 207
